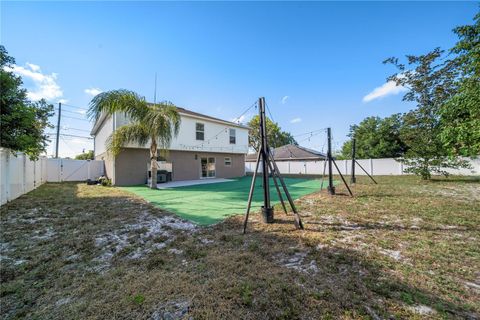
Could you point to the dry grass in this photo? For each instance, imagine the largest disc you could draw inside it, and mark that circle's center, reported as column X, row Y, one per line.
column 400, row 249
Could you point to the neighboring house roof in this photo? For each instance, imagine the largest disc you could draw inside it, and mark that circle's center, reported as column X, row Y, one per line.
column 291, row 152
column 182, row 111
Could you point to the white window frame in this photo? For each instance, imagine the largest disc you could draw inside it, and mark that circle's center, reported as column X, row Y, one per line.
column 197, row 131
column 234, row 136
column 227, row 163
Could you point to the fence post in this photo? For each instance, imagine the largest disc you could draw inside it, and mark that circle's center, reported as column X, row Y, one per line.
column 61, row 171
column 371, row 166
column 7, row 176
column 88, row 169
column 24, row 176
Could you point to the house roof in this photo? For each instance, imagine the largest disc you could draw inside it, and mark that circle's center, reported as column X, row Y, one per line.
column 200, row 115
column 291, row 152
column 182, row 111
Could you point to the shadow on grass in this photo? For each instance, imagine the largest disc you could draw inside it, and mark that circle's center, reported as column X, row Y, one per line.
column 342, row 281
column 248, row 276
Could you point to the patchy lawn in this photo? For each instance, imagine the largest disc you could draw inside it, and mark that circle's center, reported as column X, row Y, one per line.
column 207, row 204
column 400, row 249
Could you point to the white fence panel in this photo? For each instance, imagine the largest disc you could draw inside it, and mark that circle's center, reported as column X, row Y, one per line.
column 3, row 176
column 366, row 164
column 74, row 170
column 96, row 169
column 28, row 175
column 19, row 175
column 54, row 170
column 81, row 170
column 386, row 166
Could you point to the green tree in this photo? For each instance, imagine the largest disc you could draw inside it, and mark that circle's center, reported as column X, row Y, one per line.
column 156, row 124
column 275, row 136
column 22, row 121
column 460, row 115
column 85, row 155
column 430, row 81
column 376, row 138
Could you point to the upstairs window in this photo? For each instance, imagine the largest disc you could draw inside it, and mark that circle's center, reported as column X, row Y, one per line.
column 233, row 139
column 200, row 131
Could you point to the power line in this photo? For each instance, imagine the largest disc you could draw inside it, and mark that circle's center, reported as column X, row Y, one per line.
column 224, row 129
column 75, row 129
column 70, row 135
column 311, row 135
column 73, row 112
column 72, row 106
column 76, row 118
column 310, row 132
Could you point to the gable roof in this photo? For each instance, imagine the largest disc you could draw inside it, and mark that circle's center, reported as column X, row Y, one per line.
column 291, row 152
column 181, row 111
column 200, row 116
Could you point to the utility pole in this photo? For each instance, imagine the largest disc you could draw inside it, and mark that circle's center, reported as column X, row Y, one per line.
column 330, row 188
column 58, row 128
column 353, row 179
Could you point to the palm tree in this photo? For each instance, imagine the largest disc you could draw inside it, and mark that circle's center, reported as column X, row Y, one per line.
column 154, row 123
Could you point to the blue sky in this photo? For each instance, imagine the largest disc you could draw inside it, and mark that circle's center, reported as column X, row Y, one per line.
column 315, row 62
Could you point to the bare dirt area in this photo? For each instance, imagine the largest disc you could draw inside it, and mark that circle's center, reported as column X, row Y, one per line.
column 400, row 249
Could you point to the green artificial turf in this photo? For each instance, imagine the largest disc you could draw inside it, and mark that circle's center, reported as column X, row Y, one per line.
column 210, row 203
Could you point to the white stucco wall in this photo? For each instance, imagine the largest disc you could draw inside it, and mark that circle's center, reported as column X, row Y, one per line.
column 102, row 135
column 216, row 136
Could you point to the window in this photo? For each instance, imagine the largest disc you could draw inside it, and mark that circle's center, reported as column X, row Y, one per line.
column 228, row 161
column 232, row 136
column 200, row 131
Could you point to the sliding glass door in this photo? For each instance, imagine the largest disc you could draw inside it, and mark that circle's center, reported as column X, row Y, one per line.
column 207, row 166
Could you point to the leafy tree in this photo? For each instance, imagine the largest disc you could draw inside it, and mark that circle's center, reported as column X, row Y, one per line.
column 376, row 138
column 85, row 155
column 23, row 122
column 430, row 81
column 275, row 136
column 460, row 115
column 153, row 123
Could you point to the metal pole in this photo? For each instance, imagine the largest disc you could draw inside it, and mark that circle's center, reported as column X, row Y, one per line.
column 365, row 171
column 343, row 179
column 272, row 170
column 323, row 175
column 298, row 221
column 250, row 194
column 58, row 128
column 353, row 179
column 267, row 210
column 330, row 188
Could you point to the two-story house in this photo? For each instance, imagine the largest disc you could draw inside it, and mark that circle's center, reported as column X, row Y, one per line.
column 205, row 147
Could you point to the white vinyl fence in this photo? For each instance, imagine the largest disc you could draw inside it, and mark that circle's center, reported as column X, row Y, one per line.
column 19, row 175
column 387, row 166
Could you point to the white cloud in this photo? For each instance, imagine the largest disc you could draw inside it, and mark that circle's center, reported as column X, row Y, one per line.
column 63, row 101
column 33, row 67
column 243, row 119
column 45, row 86
column 239, row 120
column 296, row 120
column 284, row 99
column 387, row 89
column 93, row 91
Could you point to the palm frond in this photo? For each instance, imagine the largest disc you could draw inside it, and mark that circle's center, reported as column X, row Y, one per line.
column 164, row 121
column 121, row 100
column 131, row 133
